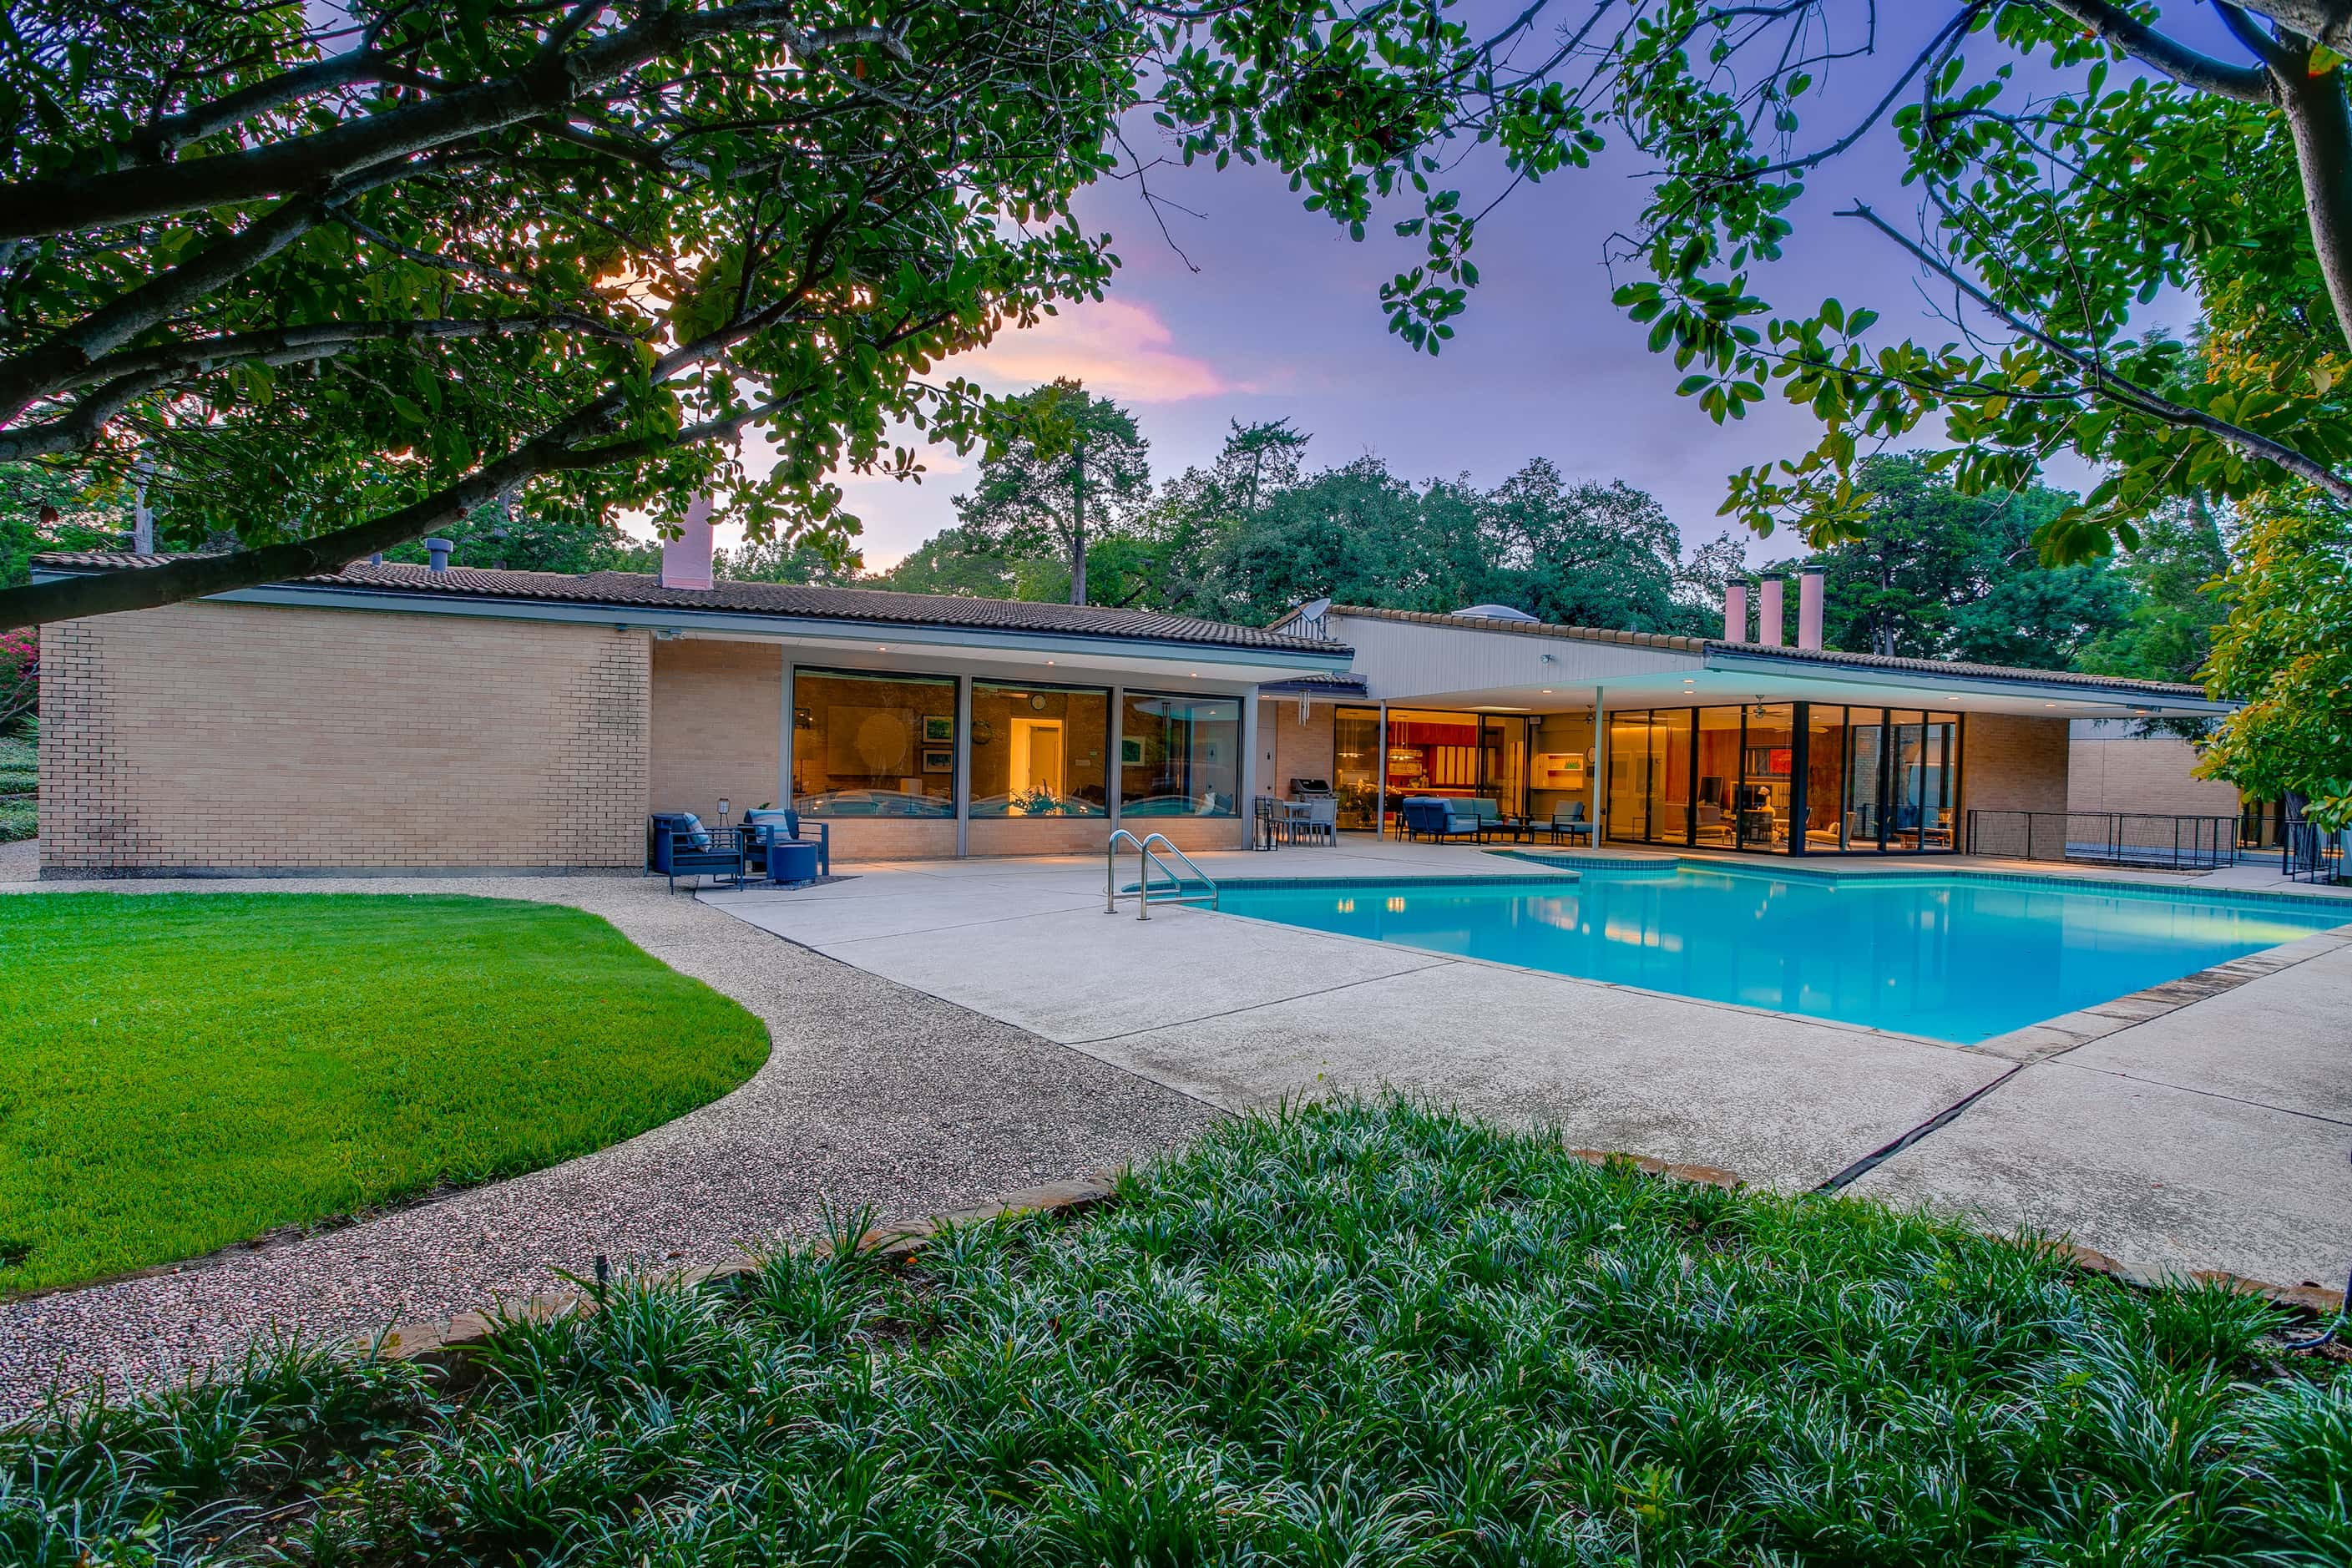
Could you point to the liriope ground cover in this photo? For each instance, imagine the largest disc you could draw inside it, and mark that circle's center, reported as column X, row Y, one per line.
column 1356, row 1333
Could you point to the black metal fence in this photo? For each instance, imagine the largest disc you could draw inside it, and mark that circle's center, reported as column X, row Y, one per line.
column 2106, row 838
column 2307, row 854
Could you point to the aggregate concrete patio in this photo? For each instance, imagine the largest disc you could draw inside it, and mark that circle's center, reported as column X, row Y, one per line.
column 2212, row 1137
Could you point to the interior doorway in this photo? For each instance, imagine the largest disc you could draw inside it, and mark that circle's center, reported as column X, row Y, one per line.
column 1036, row 757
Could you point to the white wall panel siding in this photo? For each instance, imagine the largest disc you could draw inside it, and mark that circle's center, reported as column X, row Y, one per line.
column 1403, row 661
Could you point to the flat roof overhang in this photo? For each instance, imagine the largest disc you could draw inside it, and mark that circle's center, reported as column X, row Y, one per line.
column 1725, row 677
column 854, row 644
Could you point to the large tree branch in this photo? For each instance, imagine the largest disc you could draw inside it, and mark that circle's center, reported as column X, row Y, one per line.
column 2116, row 388
column 564, row 447
column 126, row 377
column 2162, row 52
column 62, row 358
column 2322, row 121
column 65, row 203
column 2328, row 22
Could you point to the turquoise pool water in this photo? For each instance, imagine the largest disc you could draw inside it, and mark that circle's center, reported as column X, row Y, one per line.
column 1952, row 957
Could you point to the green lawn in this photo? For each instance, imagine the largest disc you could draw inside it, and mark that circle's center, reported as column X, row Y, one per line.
column 1362, row 1335
column 181, row 1072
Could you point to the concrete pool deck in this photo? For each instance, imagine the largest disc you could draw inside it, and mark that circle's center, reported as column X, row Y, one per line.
column 2209, row 1137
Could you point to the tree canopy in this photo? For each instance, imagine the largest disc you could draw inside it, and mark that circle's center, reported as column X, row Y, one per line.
column 341, row 275
column 1076, row 462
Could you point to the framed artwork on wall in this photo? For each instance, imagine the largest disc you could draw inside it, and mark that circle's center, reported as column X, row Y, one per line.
column 938, row 760
column 939, row 729
column 1130, row 749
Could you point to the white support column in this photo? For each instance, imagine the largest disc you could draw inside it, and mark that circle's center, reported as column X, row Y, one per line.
column 964, row 766
column 1246, row 775
column 1600, row 767
column 1112, row 774
column 1380, row 778
column 785, row 737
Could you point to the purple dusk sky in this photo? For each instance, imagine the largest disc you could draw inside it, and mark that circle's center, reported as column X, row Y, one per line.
column 1281, row 319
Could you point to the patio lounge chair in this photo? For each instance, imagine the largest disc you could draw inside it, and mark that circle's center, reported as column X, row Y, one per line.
column 678, row 844
column 1567, row 822
column 767, row 824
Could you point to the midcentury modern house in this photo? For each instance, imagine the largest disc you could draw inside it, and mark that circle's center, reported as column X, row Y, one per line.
column 1739, row 742
column 401, row 717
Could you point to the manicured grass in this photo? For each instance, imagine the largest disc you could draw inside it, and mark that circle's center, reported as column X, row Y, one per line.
column 1363, row 1334
column 179, row 1071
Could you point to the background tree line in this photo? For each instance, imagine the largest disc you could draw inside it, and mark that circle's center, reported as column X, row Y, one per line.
column 1930, row 573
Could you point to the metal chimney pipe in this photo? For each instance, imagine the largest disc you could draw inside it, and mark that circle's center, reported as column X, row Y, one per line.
column 1808, row 607
column 1735, row 612
column 1768, row 614
column 437, row 553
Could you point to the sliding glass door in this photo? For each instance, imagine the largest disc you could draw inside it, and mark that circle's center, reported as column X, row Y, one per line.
column 1785, row 778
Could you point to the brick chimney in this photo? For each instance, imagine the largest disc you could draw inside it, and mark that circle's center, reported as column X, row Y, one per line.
column 686, row 560
column 1808, row 607
column 1768, row 614
column 1735, row 612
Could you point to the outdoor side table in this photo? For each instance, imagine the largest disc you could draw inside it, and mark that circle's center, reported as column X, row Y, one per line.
column 790, row 862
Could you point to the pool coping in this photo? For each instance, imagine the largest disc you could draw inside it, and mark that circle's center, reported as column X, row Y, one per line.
column 1568, row 862
column 2028, row 1042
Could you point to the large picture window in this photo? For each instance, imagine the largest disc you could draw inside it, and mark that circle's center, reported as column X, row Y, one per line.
column 1179, row 756
column 873, row 745
column 1039, row 750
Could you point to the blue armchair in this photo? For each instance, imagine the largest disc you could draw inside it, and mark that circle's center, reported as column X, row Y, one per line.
column 1567, row 822
column 678, row 844
column 768, row 824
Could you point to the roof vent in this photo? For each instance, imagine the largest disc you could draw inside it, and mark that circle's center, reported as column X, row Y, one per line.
column 437, row 553
column 1499, row 613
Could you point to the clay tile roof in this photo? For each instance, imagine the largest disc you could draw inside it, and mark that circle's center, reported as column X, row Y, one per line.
column 635, row 590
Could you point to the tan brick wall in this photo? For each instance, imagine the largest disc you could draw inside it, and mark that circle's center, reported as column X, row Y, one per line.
column 2013, row 763
column 1288, row 750
column 2153, row 773
column 230, row 737
column 891, row 838
column 717, row 708
column 1038, row 835
column 1193, row 833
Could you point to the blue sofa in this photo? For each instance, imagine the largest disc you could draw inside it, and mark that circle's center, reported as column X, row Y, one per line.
column 1431, row 816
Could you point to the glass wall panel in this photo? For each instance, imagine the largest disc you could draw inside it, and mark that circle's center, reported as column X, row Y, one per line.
column 1907, row 780
column 1562, row 744
column 1866, row 747
column 1718, row 775
column 1503, row 754
column 1825, row 778
column 873, row 745
column 1940, row 781
column 1768, row 777
column 1179, row 756
column 1355, row 771
column 1432, row 753
column 1039, row 750
column 1629, row 776
column 1670, row 778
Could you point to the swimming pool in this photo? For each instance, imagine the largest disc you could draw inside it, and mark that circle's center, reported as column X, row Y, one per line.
column 1952, row 957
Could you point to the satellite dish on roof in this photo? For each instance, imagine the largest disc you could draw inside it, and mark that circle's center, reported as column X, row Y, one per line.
column 1314, row 609
column 1498, row 613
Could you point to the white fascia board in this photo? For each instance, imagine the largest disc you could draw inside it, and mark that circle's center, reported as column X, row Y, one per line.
column 2169, row 706
column 652, row 618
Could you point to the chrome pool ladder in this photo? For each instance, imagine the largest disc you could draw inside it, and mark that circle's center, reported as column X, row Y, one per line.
column 1147, row 860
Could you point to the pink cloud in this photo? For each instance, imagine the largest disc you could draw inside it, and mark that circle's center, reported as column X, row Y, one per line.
column 1118, row 348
